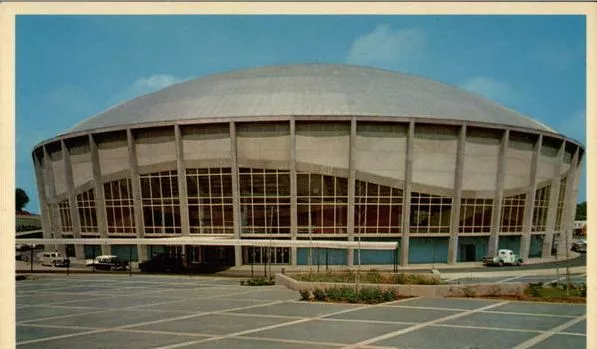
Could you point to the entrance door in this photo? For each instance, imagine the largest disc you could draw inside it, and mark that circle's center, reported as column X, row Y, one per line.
column 468, row 253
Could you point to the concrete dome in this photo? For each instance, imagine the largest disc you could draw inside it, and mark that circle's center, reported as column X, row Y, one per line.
column 308, row 89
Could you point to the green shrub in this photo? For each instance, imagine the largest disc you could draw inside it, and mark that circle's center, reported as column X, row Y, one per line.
column 389, row 295
column 319, row 294
column 258, row 282
column 370, row 295
column 582, row 290
column 534, row 289
column 305, row 294
column 335, row 293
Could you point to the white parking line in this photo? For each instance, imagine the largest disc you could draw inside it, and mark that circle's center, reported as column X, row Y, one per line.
column 543, row 336
column 506, row 279
column 422, row 325
column 242, row 333
column 182, row 317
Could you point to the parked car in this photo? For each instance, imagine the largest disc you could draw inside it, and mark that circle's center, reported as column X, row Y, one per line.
column 108, row 262
column 163, row 263
column 504, row 257
column 54, row 259
column 579, row 245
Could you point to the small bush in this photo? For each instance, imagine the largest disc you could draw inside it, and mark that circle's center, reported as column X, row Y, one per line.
column 258, row 282
column 389, row 295
column 305, row 294
column 319, row 294
column 534, row 289
column 582, row 290
column 370, row 295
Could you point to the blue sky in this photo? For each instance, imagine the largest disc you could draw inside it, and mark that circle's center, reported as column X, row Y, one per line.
column 71, row 67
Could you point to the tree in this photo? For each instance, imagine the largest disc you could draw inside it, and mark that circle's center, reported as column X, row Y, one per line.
column 581, row 212
column 21, row 199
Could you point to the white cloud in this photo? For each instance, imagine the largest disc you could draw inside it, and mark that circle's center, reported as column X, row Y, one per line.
column 386, row 45
column 493, row 89
column 144, row 85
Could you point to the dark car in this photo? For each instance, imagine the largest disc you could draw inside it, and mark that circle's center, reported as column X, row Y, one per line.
column 162, row 263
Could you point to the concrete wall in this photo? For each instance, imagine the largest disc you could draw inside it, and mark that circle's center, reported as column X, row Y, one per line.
column 323, row 144
column 113, row 154
column 80, row 158
column 263, row 142
column 480, row 162
column 434, row 156
column 58, row 172
column 381, row 150
column 430, row 291
column 206, row 142
column 519, row 156
column 155, row 147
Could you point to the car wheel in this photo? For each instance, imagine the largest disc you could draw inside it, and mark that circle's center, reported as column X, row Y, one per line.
column 500, row 264
column 53, row 263
column 518, row 263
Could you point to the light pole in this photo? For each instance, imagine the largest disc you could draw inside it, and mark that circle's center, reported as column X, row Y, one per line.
column 32, row 247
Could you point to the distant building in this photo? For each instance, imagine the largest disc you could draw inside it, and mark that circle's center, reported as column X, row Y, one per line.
column 26, row 221
column 580, row 228
column 312, row 152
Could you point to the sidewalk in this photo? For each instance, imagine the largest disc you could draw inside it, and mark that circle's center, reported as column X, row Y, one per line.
column 446, row 270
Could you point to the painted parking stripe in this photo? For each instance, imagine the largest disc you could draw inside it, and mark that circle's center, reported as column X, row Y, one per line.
column 533, row 341
column 424, row 324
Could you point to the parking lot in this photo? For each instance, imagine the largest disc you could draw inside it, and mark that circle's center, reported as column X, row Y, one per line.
column 144, row 311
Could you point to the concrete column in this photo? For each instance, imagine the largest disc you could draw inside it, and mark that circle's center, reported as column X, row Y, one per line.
column 408, row 174
column 496, row 212
column 72, row 200
column 182, row 183
column 99, row 195
column 529, row 207
column 456, row 198
column 136, row 189
column 569, row 208
column 552, row 210
column 350, row 228
column 46, row 218
column 238, row 261
column 54, row 222
column 293, row 192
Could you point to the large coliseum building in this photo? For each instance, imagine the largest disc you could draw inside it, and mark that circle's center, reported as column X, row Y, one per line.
column 318, row 152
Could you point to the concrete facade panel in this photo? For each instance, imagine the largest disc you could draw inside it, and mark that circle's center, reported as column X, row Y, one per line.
column 59, row 177
column 276, row 148
column 150, row 152
column 434, row 162
column 547, row 166
column 480, row 166
column 381, row 156
column 205, row 149
column 329, row 151
column 518, row 169
column 113, row 159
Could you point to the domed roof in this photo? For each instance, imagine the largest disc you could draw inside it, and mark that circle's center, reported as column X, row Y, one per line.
column 308, row 89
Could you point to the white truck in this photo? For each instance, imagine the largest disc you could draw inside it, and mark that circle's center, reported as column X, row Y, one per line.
column 504, row 257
